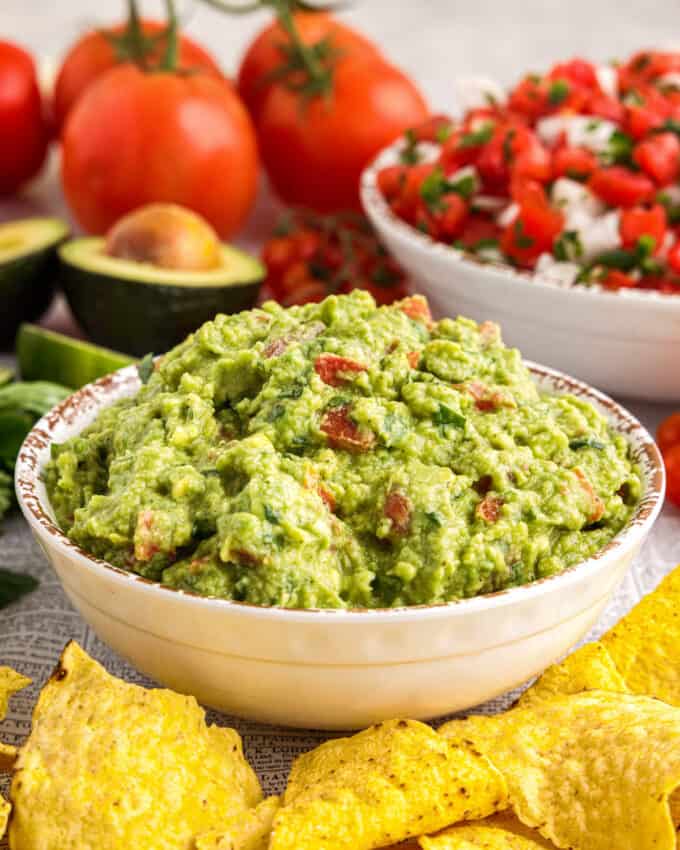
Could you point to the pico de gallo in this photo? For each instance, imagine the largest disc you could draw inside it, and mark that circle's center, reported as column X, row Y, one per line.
column 573, row 174
column 311, row 256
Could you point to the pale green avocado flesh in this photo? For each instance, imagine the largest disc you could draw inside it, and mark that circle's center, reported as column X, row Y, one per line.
column 337, row 455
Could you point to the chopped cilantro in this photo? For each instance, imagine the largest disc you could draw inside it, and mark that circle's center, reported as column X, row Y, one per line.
column 337, row 401
column 507, row 146
column 446, row 416
column 443, row 133
column 434, row 518
column 558, row 92
column 568, row 246
column 478, row 137
column 672, row 210
column 619, row 150
column 271, row 515
column 586, row 443
column 436, row 185
column 670, row 125
column 409, row 153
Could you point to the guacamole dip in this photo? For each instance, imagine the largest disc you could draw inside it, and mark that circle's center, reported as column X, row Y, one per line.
column 339, row 455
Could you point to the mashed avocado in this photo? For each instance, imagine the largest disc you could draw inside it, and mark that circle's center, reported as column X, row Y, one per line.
column 338, row 455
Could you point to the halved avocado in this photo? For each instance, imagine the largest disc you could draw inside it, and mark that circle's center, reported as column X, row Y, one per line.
column 28, row 271
column 138, row 307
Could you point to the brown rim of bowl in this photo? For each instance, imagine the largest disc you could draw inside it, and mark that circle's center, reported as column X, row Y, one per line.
column 120, row 383
column 373, row 201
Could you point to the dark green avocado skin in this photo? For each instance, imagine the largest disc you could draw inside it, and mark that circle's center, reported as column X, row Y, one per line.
column 137, row 318
column 27, row 286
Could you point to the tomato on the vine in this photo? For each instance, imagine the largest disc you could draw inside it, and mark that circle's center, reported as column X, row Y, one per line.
column 137, row 137
column 270, row 51
column 23, row 129
column 668, row 433
column 97, row 52
column 671, row 459
column 315, row 150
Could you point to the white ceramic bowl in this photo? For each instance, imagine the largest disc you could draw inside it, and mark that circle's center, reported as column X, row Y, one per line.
column 331, row 669
column 626, row 343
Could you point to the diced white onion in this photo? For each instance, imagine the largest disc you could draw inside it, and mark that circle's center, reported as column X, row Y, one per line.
column 608, row 79
column 573, row 197
column 560, row 272
column 581, row 131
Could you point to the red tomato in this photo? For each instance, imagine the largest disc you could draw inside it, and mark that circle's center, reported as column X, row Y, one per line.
column 335, row 370
column 615, row 279
column 478, row 228
column 577, row 71
column 438, row 128
column 23, row 130
column 668, row 433
column 603, row 106
column 530, row 98
column 312, row 291
column 659, row 157
column 641, row 221
column 314, row 153
column 93, row 54
column 576, row 163
column 343, row 432
column 620, row 187
column 671, row 458
column 266, row 53
column 529, row 158
column 408, row 203
column 134, row 138
column 391, row 180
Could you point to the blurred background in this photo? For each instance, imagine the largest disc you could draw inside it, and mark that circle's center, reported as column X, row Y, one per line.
column 433, row 40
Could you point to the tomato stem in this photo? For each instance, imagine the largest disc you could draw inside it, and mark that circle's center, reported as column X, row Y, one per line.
column 169, row 61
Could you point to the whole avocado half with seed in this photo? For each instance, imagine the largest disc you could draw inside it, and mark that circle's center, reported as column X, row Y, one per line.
column 158, row 275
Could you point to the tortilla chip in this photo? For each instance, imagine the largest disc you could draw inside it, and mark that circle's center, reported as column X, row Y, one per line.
column 110, row 764
column 590, row 668
column 5, row 810
column 395, row 780
column 8, row 757
column 10, row 683
column 592, row 771
column 245, row 831
column 644, row 645
column 499, row 832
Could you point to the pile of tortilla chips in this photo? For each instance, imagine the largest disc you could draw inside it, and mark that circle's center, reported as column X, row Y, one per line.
column 589, row 759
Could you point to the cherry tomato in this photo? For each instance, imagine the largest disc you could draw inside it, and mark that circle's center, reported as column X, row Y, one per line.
column 95, row 53
column 267, row 52
column 659, row 157
column 575, row 163
column 134, row 138
column 668, row 433
column 641, row 221
column 23, row 129
column 618, row 186
column 671, row 458
column 314, row 153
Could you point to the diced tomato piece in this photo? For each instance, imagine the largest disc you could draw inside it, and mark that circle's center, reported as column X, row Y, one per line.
column 640, row 120
column 673, row 258
column 413, row 358
column 603, row 106
column 391, row 180
column 449, row 221
column 336, row 371
column 530, row 98
column 146, row 538
column 620, row 187
column 416, row 308
column 477, row 228
column 437, row 128
column 615, row 279
column 489, row 509
column 398, row 509
column 533, row 232
column 575, row 163
column 579, row 71
column 327, row 497
column 643, row 221
column 659, row 156
column 493, row 168
column 409, row 202
column 486, row 400
column 343, row 432
column 530, row 158
column 598, row 506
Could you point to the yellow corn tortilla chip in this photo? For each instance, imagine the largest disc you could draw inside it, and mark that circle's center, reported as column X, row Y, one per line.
column 5, row 809
column 395, row 780
column 644, row 645
column 245, row 831
column 8, row 757
column 590, row 668
column 113, row 766
column 10, row 683
column 499, row 832
column 592, row 771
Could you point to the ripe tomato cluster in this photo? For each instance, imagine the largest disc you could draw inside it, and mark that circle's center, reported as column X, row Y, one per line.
column 312, row 256
column 576, row 171
column 668, row 439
